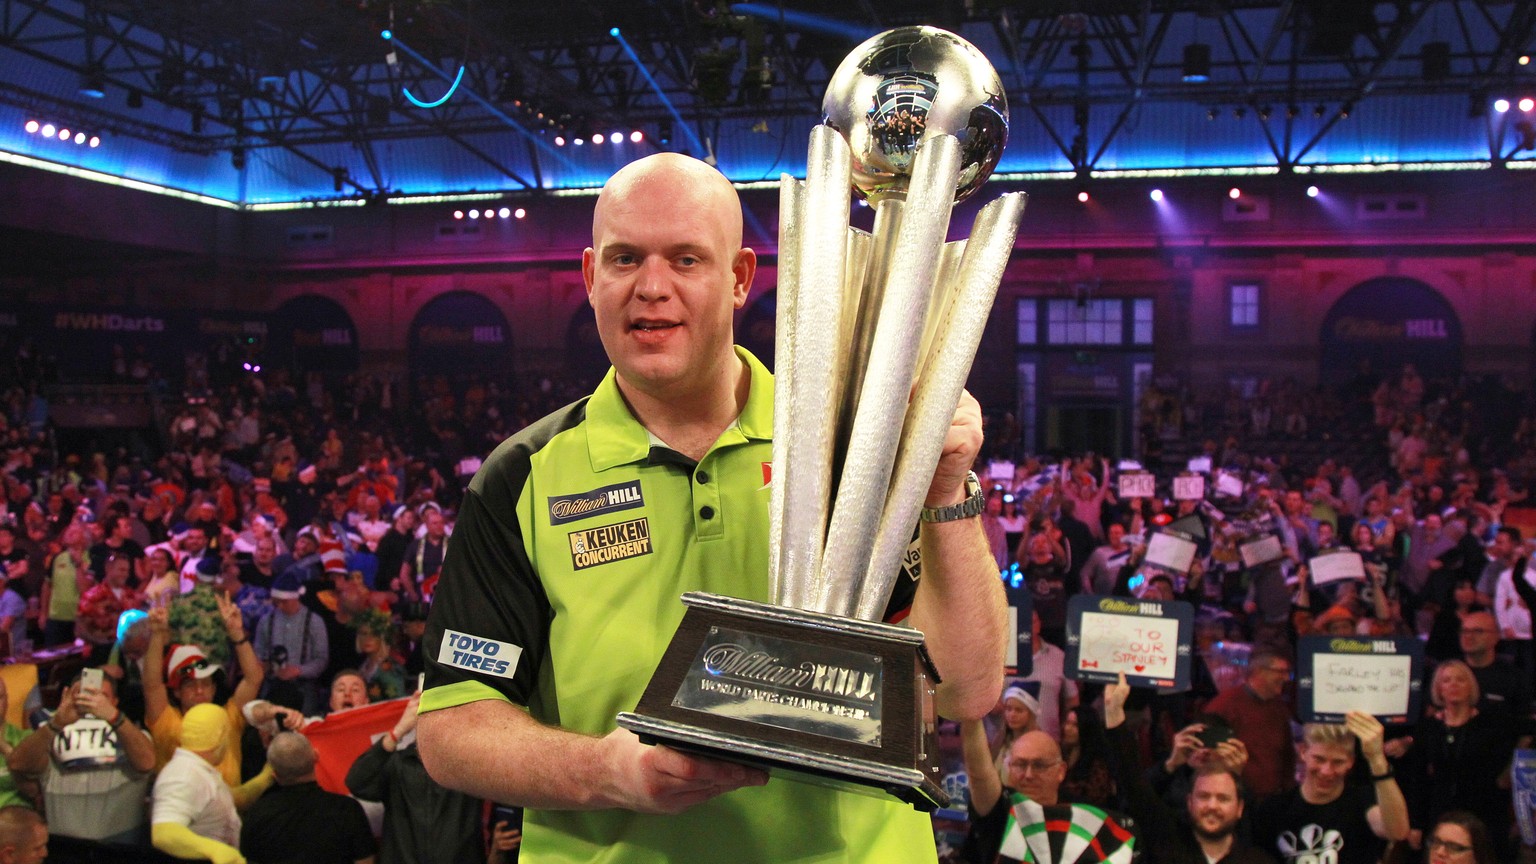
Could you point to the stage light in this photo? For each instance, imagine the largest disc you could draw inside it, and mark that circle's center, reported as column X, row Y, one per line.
column 504, row 212
column 614, row 32
column 1319, row 111
column 93, row 86
column 636, row 136
column 1197, row 63
column 1499, row 105
column 616, row 138
column 255, row 367
column 1525, row 60
column 519, row 212
column 387, row 35
column 1527, row 104
column 559, row 140
column 1234, row 193
column 31, row 127
column 1157, row 195
column 1212, row 113
column 63, row 134
column 598, row 138
column 474, row 214
column 246, row 366
column 79, row 137
column 48, row 130
column 1082, row 197
column 578, row 141
column 1311, row 191
column 458, row 214
column 95, row 141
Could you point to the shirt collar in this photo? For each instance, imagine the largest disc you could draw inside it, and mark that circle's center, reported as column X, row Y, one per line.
column 615, row 437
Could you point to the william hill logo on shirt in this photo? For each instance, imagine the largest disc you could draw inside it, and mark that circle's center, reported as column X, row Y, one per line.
column 593, row 546
column 583, row 505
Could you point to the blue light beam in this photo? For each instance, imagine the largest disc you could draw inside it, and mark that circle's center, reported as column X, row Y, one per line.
column 804, row 21
column 420, row 104
column 698, row 146
column 538, row 141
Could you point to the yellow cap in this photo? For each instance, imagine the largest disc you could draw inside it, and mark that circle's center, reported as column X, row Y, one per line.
column 203, row 727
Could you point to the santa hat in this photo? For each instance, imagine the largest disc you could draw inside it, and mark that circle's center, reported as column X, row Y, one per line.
column 1026, row 692
column 186, row 661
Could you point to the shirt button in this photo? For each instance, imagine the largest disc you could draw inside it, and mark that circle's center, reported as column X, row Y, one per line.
column 702, row 476
column 706, row 512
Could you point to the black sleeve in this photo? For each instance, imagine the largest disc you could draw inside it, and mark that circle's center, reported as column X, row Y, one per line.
column 358, row 833
column 366, row 778
column 1522, row 587
column 905, row 589
column 488, row 590
column 1155, row 821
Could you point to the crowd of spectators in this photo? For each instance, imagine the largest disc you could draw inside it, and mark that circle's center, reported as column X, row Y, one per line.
column 262, row 564
column 268, row 558
column 1426, row 481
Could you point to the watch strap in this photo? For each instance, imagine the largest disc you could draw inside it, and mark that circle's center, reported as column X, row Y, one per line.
column 973, row 504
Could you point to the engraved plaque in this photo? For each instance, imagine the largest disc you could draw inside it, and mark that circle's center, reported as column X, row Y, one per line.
column 785, row 683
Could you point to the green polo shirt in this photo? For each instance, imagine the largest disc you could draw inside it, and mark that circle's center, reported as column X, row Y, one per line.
column 561, row 591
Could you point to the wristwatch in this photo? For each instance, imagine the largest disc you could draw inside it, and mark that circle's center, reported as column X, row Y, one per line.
column 973, row 504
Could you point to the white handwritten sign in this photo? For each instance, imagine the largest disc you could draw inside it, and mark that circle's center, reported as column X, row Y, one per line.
column 1342, row 674
column 1191, row 488
column 1138, row 484
column 1171, row 551
column 1336, row 567
column 1200, row 464
column 1229, row 484
column 1148, row 647
column 1261, row 550
column 998, row 469
column 1374, row 683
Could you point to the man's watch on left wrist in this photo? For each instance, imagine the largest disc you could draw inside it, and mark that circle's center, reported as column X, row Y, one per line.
column 975, row 501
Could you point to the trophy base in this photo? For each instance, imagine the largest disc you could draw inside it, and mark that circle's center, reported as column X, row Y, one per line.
column 806, row 696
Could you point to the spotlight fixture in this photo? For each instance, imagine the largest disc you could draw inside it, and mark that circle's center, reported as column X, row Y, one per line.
column 1527, row 104
column 1525, row 60
column 93, row 85
column 1234, row 193
column 474, row 214
column 1212, row 113
column 519, row 213
column 79, row 137
column 616, row 138
column 32, row 127
column 1082, row 197
column 1320, row 110
column 95, row 141
column 504, row 212
column 578, row 141
column 63, row 134
column 1292, row 110
column 1264, row 112
column 1499, row 105
column 1197, row 63
column 636, row 136
column 1311, row 191
column 48, row 130
column 559, row 140
column 237, row 158
column 338, row 178
column 458, row 214
column 1239, row 112
column 1157, row 195
column 598, row 138
column 1345, row 109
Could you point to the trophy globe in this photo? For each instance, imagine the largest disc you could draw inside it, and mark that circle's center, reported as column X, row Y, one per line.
column 907, row 84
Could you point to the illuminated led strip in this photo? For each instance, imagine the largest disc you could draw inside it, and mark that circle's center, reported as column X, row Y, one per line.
column 304, row 205
column 113, row 180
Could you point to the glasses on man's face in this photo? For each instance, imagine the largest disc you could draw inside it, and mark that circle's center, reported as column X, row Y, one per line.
column 1034, row 766
column 1448, row 847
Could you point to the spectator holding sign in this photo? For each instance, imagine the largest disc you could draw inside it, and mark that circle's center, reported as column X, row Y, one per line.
column 1327, row 818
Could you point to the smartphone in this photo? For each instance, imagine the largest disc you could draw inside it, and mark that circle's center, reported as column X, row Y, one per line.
column 421, row 681
column 513, row 816
column 1214, row 734
column 90, row 680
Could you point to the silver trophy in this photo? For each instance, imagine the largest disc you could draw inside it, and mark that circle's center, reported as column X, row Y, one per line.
column 876, row 334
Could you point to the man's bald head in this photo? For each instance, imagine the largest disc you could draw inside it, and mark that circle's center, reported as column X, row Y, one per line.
column 292, row 758
column 684, row 179
column 1035, row 767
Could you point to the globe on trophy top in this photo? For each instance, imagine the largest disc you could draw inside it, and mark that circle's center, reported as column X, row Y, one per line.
column 907, row 84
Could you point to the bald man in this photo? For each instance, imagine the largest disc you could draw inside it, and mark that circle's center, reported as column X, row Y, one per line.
column 1035, row 770
column 23, row 836
column 560, row 589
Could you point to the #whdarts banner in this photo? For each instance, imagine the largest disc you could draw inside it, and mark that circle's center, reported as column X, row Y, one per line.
column 1341, row 674
column 1148, row 640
